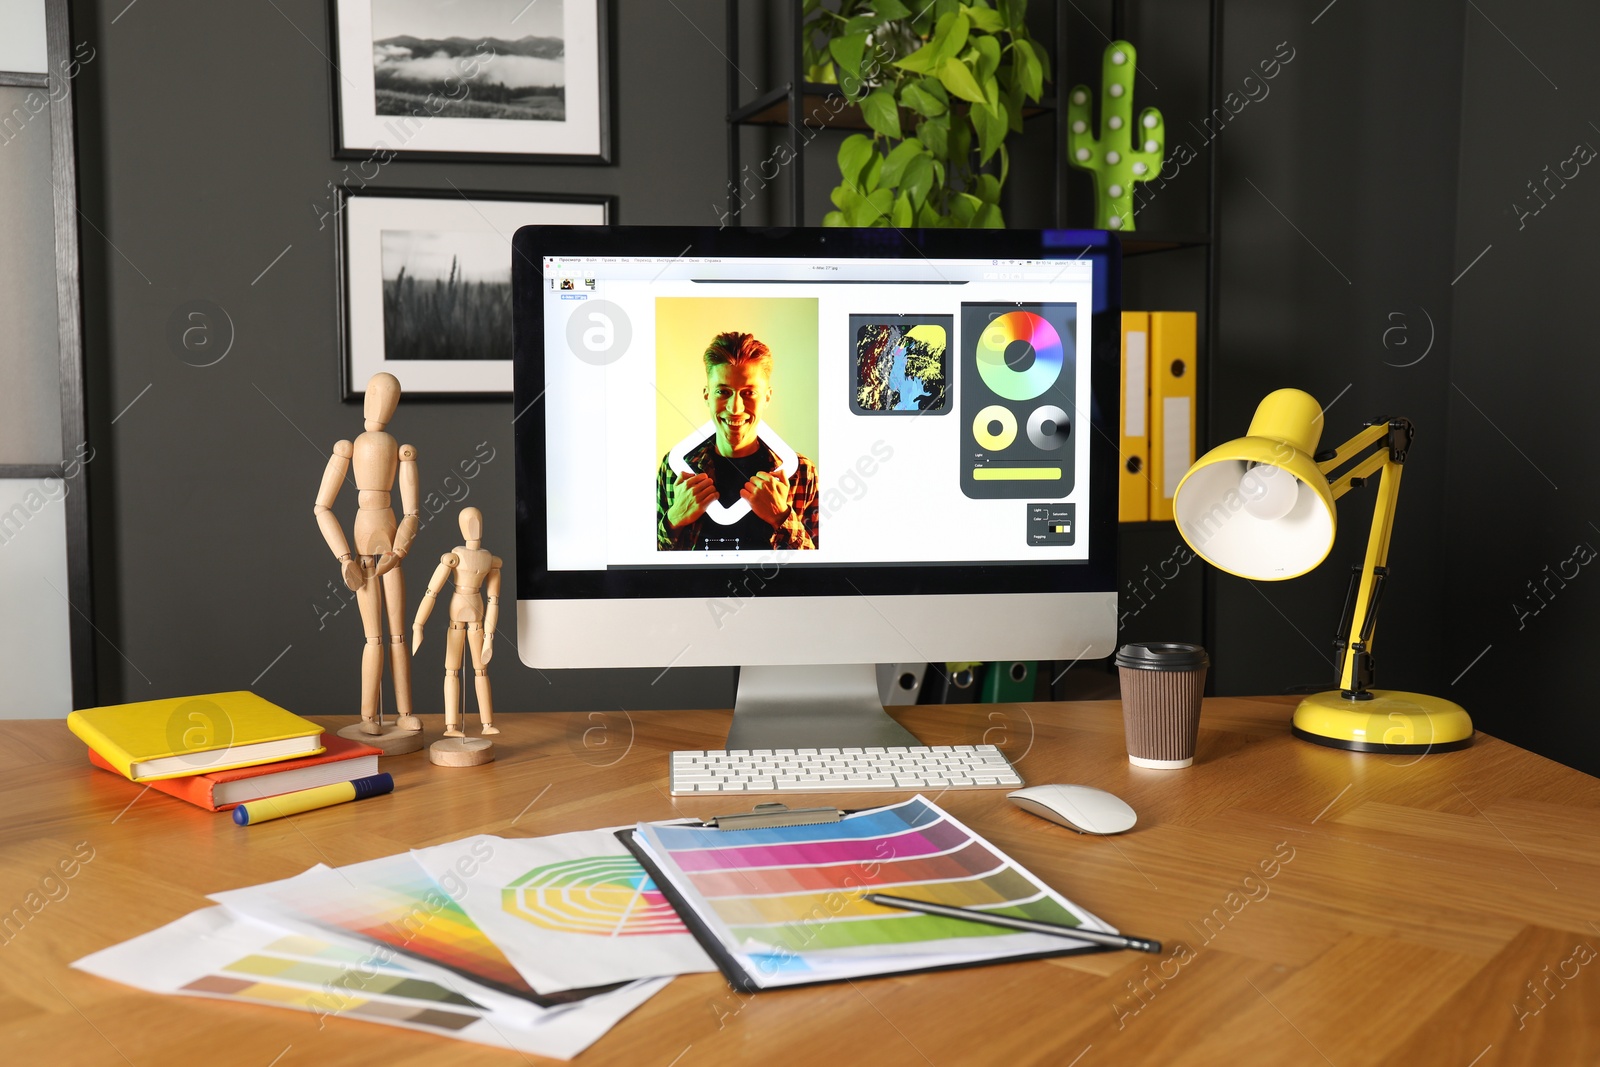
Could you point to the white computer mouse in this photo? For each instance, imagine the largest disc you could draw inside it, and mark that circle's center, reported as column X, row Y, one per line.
column 1078, row 807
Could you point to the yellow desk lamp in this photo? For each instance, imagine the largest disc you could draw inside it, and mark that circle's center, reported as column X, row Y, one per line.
column 1261, row 507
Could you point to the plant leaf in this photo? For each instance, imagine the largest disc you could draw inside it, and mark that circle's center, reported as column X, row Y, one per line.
column 987, row 188
column 963, row 208
column 950, row 35
column 921, row 101
column 920, row 61
column 844, row 197
column 1018, row 18
column 935, row 134
column 985, row 19
column 988, row 50
column 872, row 177
column 833, row 218
column 881, row 112
column 903, row 213
column 960, row 144
column 990, row 122
column 988, row 217
column 1030, row 72
column 853, row 157
column 917, row 180
column 1012, row 99
column 846, row 52
column 891, row 9
column 873, row 210
column 894, row 165
column 954, row 76
column 1005, row 164
column 1042, row 56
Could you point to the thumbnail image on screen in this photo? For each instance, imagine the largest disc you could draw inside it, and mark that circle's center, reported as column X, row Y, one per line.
column 901, row 364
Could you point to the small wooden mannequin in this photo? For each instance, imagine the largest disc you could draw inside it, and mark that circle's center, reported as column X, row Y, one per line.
column 474, row 568
column 380, row 544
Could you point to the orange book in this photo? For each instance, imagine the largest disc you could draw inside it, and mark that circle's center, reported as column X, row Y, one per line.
column 343, row 761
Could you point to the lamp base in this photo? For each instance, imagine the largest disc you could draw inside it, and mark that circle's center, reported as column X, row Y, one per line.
column 1391, row 722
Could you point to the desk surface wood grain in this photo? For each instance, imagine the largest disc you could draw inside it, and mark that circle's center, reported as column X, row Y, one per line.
column 1318, row 907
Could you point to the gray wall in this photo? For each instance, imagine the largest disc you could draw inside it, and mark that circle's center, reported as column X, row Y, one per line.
column 202, row 162
column 1338, row 203
column 1523, row 477
column 1351, row 195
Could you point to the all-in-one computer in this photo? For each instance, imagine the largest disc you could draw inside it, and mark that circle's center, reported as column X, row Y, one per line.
column 804, row 452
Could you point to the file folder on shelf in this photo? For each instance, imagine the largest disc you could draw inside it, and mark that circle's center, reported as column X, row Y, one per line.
column 1133, row 498
column 1172, row 406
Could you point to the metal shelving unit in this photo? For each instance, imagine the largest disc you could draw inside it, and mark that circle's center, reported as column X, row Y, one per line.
column 794, row 104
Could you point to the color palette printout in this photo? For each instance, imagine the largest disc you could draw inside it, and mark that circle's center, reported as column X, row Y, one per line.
column 786, row 903
column 569, row 911
column 394, row 903
column 217, row 954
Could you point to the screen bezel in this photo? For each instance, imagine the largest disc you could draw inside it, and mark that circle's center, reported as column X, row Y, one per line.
column 536, row 581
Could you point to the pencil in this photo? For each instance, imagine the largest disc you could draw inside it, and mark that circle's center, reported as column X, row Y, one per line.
column 1096, row 937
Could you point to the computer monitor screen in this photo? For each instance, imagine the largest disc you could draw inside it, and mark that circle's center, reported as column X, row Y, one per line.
column 806, row 447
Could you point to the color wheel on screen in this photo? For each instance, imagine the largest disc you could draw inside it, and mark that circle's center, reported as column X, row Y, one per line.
column 607, row 896
column 1027, row 381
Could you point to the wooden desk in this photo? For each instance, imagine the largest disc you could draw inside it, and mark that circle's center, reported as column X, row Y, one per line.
column 1318, row 906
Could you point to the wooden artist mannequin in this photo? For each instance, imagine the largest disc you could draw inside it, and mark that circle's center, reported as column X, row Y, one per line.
column 373, row 570
column 474, row 569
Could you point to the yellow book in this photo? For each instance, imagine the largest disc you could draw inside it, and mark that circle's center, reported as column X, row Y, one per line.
column 1133, row 498
column 156, row 739
column 1172, row 400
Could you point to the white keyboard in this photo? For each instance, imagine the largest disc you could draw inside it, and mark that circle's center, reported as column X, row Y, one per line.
column 841, row 770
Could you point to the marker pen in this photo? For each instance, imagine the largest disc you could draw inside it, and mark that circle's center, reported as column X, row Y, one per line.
column 322, row 796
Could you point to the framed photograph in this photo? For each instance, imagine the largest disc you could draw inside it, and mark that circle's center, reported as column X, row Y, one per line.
column 524, row 81
column 425, row 284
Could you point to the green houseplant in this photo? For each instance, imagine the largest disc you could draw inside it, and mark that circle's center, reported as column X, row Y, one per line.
column 941, row 85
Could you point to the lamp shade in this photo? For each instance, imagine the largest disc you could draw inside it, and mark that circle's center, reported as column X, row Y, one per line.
column 1259, row 507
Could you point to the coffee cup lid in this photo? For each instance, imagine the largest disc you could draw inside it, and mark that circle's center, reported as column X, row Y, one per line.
column 1162, row 656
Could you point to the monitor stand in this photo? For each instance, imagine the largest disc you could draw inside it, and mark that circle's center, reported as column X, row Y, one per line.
column 827, row 706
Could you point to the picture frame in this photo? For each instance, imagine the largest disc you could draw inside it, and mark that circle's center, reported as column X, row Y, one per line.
column 423, row 290
column 521, row 81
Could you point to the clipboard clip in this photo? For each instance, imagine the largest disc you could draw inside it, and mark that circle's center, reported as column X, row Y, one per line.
column 767, row 816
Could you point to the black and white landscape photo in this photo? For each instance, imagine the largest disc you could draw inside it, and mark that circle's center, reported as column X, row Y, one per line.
column 426, row 288
column 481, row 59
column 446, row 295
column 464, row 80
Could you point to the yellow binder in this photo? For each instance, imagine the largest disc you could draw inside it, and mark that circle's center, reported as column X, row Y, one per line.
column 1172, row 400
column 1133, row 500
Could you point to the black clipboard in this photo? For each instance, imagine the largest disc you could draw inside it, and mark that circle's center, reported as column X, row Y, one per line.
column 744, row 982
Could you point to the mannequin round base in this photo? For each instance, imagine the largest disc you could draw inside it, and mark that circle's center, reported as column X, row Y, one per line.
column 391, row 740
column 461, row 752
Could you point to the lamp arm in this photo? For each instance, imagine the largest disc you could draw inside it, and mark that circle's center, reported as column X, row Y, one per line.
column 1328, row 462
column 1358, row 474
column 1389, row 464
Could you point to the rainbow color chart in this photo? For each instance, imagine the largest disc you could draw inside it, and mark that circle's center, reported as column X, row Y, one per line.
column 795, row 892
column 318, row 976
column 392, row 901
column 218, row 954
column 605, row 896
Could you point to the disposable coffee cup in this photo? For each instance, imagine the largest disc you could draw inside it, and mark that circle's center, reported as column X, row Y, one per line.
column 1162, row 683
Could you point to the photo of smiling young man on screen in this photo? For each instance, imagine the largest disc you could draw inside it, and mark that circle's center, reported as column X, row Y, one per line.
column 733, row 491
